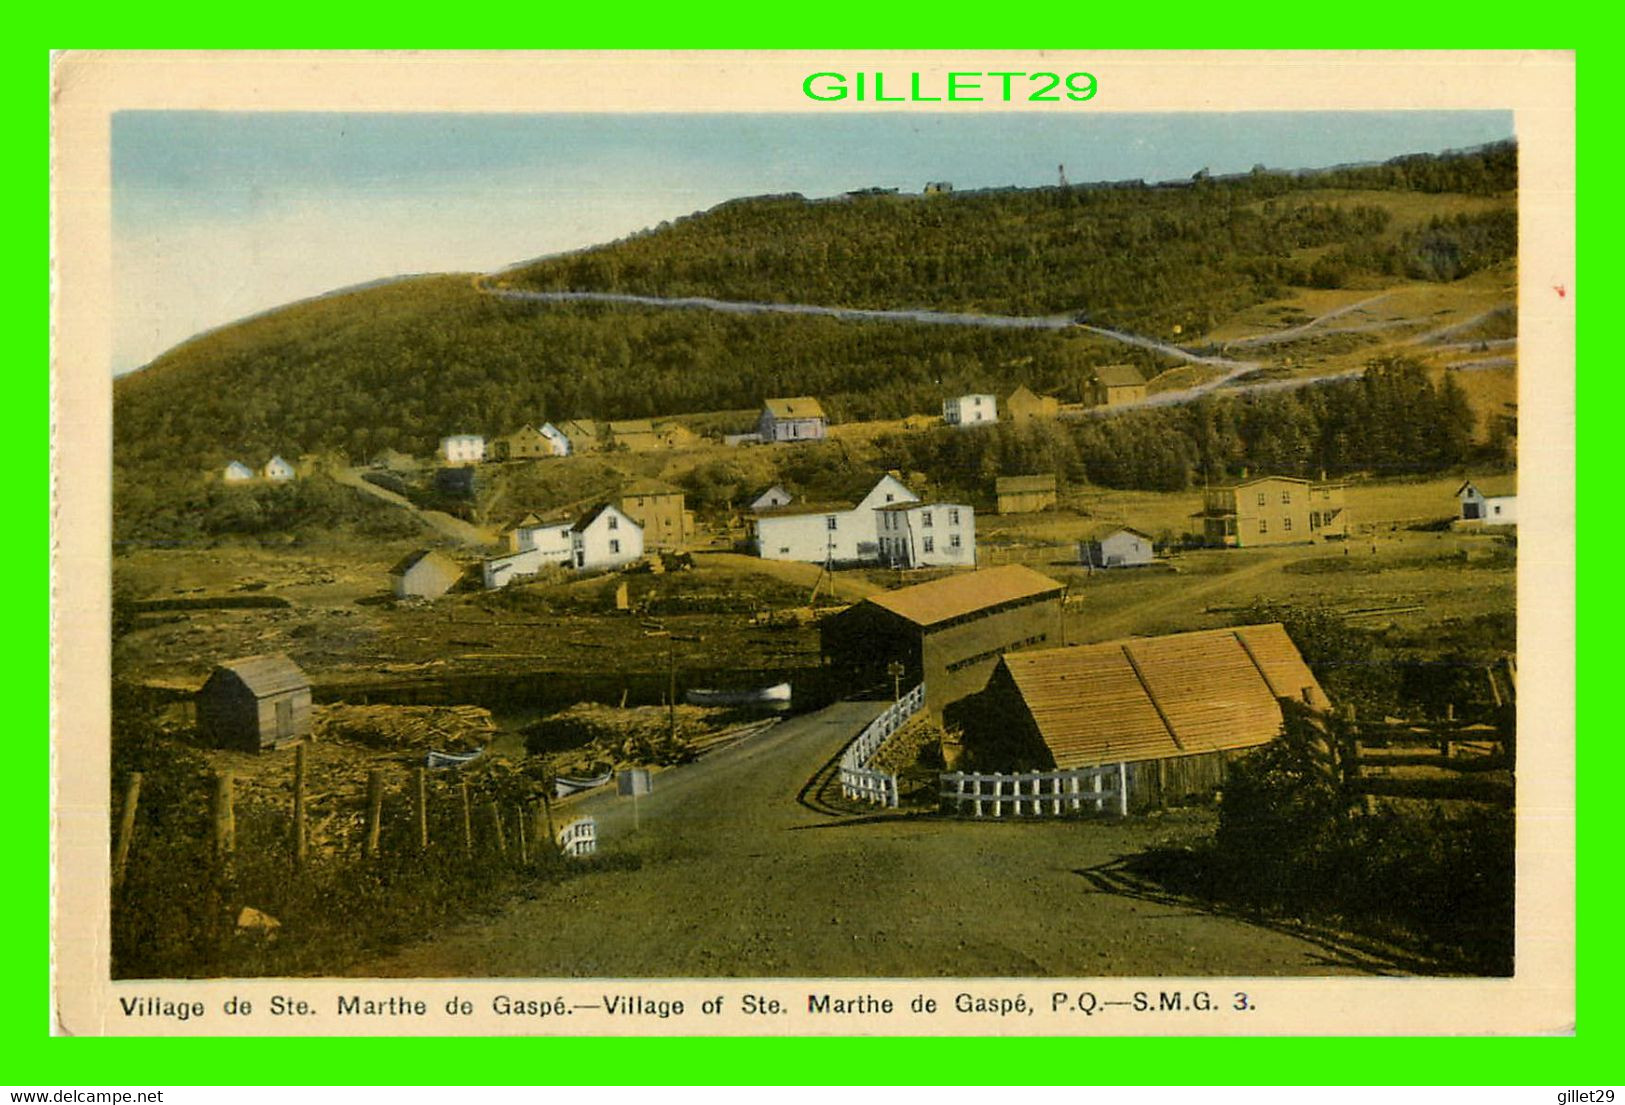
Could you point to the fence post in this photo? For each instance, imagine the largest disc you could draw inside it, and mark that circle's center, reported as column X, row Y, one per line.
column 301, row 842
column 223, row 817
column 422, row 809
column 375, row 813
column 1074, row 785
column 1097, row 782
column 496, row 829
column 519, row 833
column 1122, row 789
column 468, row 823
column 126, row 827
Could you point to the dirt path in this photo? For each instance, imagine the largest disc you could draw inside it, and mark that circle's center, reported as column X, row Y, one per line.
column 740, row 878
column 447, row 526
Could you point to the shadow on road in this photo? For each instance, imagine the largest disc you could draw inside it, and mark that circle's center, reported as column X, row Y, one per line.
column 1341, row 949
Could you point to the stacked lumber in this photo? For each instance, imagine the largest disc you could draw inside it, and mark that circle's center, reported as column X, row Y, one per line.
column 442, row 728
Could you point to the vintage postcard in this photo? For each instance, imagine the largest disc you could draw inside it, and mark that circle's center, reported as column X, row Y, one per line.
column 814, row 543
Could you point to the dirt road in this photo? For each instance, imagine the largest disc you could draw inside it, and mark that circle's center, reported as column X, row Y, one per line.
column 740, row 878
column 455, row 528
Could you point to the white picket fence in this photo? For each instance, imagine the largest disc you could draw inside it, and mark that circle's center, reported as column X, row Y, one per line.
column 1100, row 789
column 579, row 837
column 858, row 780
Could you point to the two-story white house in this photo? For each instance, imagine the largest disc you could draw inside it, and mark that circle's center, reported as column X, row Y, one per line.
column 605, row 537
column 970, row 410
column 462, row 449
column 828, row 533
column 919, row 535
column 551, row 539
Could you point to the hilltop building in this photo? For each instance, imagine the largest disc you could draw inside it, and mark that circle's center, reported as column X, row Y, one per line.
column 277, row 470
column 529, row 443
column 254, row 703
column 771, row 499
column 937, row 187
column 462, row 449
column 237, row 472
column 949, row 632
column 1273, row 510
column 1114, row 385
column 582, row 436
column 637, row 436
column 970, row 410
column 800, row 418
column 1025, row 494
column 1024, row 406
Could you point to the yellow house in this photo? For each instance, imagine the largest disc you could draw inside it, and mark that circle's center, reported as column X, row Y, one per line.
column 661, row 510
column 1273, row 510
column 1114, row 385
column 1024, row 406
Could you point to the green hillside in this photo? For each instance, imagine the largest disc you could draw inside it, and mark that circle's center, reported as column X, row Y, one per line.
column 399, row 364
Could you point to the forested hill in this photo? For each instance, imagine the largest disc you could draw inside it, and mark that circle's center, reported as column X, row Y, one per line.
column 400, row 364
column 1131, row 255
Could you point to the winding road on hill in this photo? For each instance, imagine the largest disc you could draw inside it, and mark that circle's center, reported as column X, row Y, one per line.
column 746, row 872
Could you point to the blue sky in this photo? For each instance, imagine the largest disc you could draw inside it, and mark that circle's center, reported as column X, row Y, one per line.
column 220, row 215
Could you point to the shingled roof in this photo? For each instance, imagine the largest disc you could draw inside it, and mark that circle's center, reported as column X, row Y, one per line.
column 954, row 596
column 271, row 673
column 1119, row 376
column 1150, row 698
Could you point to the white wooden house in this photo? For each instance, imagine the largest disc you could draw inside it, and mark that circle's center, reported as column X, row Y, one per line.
column 499, row 571
column 559, row 440
column 800, row 418
column 551, row 539
column 1116, row 547
column 278, row 470
column 605, row 537
column 462, row 449
column 918, row 535
column 237, row 472
column 1490, row 502
column 970, row 410
column 828, row 533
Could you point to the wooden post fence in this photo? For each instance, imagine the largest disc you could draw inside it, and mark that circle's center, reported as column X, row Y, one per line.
column 223, row 818
column 375, row 813
column 422, row 809
column 496, row 829
column 126, row 827
column 301, row 842
column 468, row 824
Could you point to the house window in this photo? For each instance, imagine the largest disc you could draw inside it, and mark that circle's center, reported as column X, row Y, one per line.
column 1262, row 498
column 953, row 540
column 830, row 521
column 889, row 497
column 614, row 522
column 1286, row 497
column 953, row 517
column 1263, row 526
column 929, row 545
column 614, row 548
column 1314, row 519
column 1497, row 509
column 927, row 517
column 1286, row 524
column 784, row 550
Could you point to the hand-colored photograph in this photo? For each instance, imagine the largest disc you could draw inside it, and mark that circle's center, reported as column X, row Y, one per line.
column 789, row 546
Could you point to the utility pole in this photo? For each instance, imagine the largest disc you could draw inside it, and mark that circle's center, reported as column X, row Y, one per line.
column 895, row 670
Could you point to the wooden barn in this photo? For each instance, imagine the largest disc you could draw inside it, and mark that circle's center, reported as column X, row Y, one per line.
column 1173, row 710
column 1023, row 405
column 1115, row 385
column 1025, row 494
column 254, row 703
column 425, row 574
column 950, row 632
